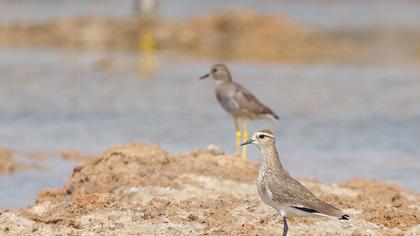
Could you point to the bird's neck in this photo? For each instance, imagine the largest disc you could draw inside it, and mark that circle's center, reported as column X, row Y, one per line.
column 223, row 81
column 271, row 158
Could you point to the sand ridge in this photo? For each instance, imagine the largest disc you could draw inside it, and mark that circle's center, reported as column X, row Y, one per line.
column 240, row 34
column 141, row 189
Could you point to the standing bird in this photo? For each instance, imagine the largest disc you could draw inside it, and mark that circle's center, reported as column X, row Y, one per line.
column 239, row 102
column 280, row 191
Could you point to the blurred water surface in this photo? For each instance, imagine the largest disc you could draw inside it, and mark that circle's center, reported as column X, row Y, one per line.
column 329, row 15
column 336, row 121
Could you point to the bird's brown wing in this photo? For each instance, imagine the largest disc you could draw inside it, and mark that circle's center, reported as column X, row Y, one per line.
column 289, row 191
column 249, row 103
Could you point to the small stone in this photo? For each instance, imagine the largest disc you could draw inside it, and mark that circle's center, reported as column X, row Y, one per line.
column 192, row 217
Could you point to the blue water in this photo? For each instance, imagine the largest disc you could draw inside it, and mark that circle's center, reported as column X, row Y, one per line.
column 337, row 121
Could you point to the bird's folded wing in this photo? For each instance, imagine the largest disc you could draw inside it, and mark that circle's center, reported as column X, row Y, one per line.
column 292, row 193
column 247, row 101
column 229, row 103
column 289, row 191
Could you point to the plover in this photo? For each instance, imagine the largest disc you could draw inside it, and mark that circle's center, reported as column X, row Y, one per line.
column 239, row 102
column 280, row 191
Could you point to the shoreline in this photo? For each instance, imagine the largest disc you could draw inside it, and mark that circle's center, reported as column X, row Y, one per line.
column 143, row 189
column 240, row 34
column 237, row 34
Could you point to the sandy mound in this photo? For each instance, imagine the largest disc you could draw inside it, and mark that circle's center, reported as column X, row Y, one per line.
column 7, row 163
column 239, row 34
column 143, row 190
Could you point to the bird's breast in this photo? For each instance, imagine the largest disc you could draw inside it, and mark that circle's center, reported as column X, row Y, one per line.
column 263, row 190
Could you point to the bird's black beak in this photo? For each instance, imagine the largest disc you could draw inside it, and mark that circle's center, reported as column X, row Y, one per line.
column 204, row 76
column 249, row 141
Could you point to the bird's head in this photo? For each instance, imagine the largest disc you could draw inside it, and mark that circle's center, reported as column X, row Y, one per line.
column 262, row 138
column 219, row 72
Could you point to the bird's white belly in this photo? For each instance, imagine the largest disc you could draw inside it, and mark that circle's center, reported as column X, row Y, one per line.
column 264, row 193
column 266, row 197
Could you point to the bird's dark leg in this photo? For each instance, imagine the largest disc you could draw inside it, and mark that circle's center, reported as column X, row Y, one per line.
column 285, row 226
column 238, row 136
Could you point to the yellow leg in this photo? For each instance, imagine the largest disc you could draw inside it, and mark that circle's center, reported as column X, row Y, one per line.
column 245, row 138
column 147, row 51
column 238, row 137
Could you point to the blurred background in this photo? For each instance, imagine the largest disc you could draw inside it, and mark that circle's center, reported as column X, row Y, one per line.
column 80, row 76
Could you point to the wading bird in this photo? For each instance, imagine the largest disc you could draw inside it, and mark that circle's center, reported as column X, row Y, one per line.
column 239, row 102
column 280, row 191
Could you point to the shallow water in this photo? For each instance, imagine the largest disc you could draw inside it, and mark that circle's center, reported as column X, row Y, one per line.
column 337, row 121
column 21, row 188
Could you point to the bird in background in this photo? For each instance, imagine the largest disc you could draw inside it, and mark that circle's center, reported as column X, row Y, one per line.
column 280, row 191
column 239, row 102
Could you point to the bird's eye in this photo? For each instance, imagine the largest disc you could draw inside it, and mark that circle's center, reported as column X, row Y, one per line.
column 214, row 70
column 261, row 136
